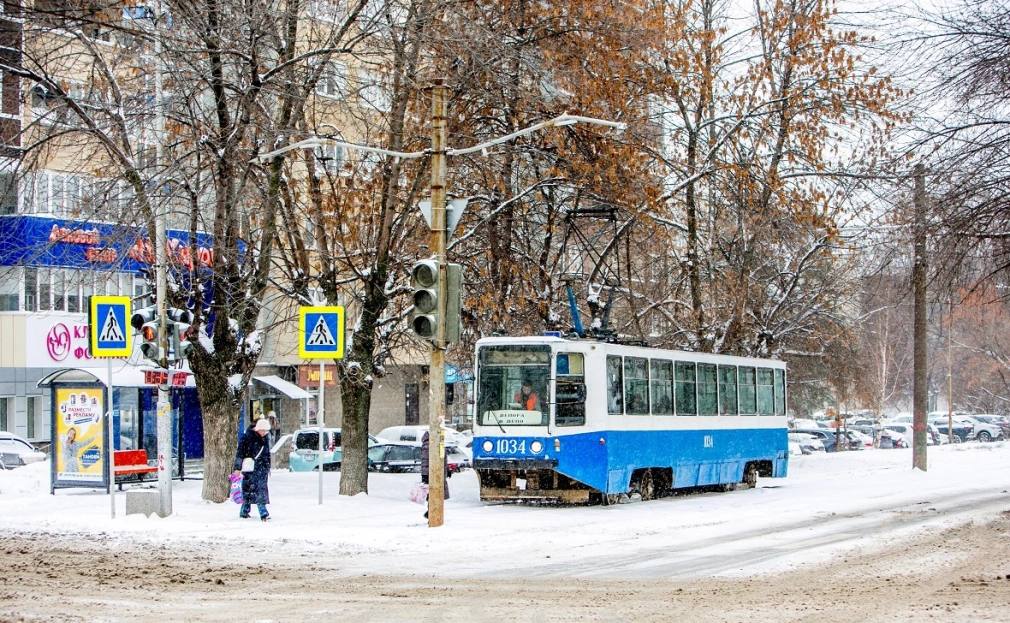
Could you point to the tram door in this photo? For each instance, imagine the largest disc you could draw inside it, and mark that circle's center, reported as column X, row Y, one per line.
column 570, row 389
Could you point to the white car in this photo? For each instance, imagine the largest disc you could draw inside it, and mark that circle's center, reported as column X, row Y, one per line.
column 16, row 451
column 413, row 433
column 908, row 432
column 808, row 444
column 981, row 431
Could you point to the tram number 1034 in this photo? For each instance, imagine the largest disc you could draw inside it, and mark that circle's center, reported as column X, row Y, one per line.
column 510, row 446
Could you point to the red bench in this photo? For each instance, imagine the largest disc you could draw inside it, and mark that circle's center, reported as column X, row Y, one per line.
column 127, row 463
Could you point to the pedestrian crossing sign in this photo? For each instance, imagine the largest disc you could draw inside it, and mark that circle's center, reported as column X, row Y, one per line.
column 107, row 326
column 321, row 332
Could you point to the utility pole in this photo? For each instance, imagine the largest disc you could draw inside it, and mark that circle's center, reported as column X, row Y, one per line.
column 950, row 386
column 164, row 409
column 919, row 328
column 436, row 371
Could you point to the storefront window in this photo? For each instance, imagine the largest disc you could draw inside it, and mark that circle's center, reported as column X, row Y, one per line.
column 33, row 412
column 9, row 287
column 59, row 290
column 31, row 288
column 45, row 290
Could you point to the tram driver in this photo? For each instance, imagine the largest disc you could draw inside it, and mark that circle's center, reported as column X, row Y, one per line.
column 526, row 398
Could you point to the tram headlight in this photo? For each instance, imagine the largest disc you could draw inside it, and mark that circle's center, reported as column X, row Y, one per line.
column 488, row 446
column 536, row 447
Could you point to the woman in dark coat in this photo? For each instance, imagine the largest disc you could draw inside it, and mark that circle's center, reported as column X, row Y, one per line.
column 255, row 444
column 424, row 465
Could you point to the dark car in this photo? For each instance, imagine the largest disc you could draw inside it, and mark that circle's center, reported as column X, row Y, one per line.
column 827, row 437
column 394, row 457
column 962, row 432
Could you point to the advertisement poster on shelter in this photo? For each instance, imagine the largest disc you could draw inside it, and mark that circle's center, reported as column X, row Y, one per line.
column 79, row 441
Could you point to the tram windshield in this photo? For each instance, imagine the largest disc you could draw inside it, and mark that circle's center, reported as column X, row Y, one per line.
column 513, row 388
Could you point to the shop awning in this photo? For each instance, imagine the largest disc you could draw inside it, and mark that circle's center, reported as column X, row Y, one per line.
column 128, row 376
column 288, row 389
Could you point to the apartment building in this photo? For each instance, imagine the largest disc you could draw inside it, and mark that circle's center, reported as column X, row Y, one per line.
column 61, row 243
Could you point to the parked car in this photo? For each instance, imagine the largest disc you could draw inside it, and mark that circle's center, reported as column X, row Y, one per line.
column 997, row 420
column 15, row 451
column 827, row 438
column 807, row 443
column 412, row 433
column 961, row 432
column 394, row 457
column 458, row 458
column 889, row 439
column 304, row 455
column 908, row 432
column 983, row 431
column 799, row 424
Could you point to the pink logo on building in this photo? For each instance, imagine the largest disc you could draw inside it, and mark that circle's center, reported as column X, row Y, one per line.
column 58, row 342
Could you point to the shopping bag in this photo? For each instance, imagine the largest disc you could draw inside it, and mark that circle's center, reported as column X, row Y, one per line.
column 236, row 488
column 419, row 493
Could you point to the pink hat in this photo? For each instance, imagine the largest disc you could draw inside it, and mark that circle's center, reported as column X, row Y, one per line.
column 262, row 424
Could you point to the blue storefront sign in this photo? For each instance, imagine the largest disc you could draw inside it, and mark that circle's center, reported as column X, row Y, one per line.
column 44, row 241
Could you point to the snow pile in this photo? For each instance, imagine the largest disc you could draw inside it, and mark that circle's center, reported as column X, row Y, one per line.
column 28, row 480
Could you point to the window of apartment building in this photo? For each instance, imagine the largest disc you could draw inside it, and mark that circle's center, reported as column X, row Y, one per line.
column 330, row 156
column 45, row 289
column 8, row 192
column 10, row 285
column 373, row 92
column 31, row 282
column 60, row 194
column 328, row 10
column 333, row 80
column 62, row 289
column 89, row 18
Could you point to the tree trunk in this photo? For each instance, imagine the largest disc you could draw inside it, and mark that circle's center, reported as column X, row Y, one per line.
column 220, row 434
column 356, row 400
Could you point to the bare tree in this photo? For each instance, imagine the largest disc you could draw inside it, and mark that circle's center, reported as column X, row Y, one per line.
column 227, row 69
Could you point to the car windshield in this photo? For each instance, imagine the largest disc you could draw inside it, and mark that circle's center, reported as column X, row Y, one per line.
column 512, row 389
column 309, row 440
column 14, row 445
column 400, row 453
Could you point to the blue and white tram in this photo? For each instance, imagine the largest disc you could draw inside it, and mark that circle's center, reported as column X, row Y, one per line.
column 597, row 420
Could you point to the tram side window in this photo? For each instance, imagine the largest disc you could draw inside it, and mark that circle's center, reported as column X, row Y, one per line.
column 661, row 381
column 765, row 393
column 570, row 391
column 708, row 390
column 686, row 402
column 636, row 385
column 780, row 392
column 615, row 385
column 727, row 390
column 748, row 397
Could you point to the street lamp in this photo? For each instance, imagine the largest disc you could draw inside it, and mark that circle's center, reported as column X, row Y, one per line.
column 439, row 238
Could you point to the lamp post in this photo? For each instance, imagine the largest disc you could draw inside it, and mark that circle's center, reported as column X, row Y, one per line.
column 439, row 241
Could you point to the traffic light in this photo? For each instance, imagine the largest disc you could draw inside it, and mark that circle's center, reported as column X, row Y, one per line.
column 145, row 322
column 424, row 316
column 179, row 325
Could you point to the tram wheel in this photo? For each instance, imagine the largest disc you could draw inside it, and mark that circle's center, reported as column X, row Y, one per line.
column 609, row 499
column 647, row 485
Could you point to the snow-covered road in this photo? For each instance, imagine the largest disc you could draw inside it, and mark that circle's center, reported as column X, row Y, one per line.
column 828, row 503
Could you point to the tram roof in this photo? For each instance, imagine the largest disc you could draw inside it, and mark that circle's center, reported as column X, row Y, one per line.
column 633, row 349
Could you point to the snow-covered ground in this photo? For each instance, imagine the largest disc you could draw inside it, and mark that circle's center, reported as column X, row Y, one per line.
column 383, row 532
